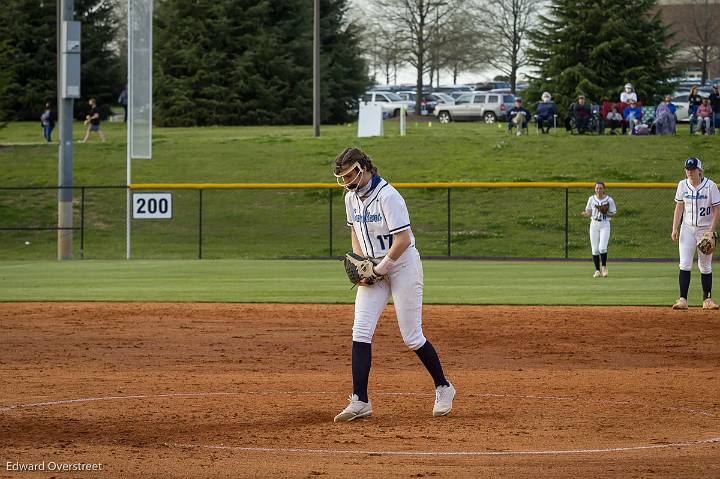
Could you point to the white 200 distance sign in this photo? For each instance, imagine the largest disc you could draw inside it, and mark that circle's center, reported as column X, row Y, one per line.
column 152, row 206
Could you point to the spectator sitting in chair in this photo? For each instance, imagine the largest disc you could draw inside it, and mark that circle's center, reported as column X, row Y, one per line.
column 632, row 112
column 629, row 94
column 546, row 113
column 665, row 118
column 518, row 116
column 704, row 115
column 581, row 113
column 614, row 120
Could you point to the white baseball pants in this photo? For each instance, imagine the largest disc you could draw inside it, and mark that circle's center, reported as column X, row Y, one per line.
column 689, row 237
column 404, row 282
column 599, row 236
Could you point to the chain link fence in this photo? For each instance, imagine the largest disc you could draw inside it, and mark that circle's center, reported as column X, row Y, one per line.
column 309, row 222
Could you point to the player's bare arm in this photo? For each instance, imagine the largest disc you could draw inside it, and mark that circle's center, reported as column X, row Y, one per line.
column 679, row 209
column 355, row 243
column 401, row 242
column 716, row 217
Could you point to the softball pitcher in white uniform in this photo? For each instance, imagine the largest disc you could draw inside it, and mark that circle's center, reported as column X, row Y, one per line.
column 601, row 208
column 380, row 229
column 697, row 203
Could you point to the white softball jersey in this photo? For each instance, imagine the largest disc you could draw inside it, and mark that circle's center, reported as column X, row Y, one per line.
column 698, row 201
column 696, row 220
column 600, row 223
column 596, row 215
column 375, row 220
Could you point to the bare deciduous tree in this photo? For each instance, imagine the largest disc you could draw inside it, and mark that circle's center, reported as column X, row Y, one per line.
column 701, row 29
column 415, row 22
column 509, row 22
column 466, row 45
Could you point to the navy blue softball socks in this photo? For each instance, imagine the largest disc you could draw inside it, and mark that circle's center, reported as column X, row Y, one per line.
column 684, row 279
column 361, row 361
column 596, row 261
column 603, row 258
column 706, row 280
column 430, row 360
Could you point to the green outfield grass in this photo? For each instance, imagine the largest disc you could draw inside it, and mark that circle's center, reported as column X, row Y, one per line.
column 282, row 224
column 280, row 281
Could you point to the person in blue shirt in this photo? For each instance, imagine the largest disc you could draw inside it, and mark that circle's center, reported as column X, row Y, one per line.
column 546, row 113
column 632, row 114
column 47, row 120
column 518, row 116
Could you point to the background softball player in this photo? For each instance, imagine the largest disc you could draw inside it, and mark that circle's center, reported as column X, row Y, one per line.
column 601, row 208
column 380, row 228
column 697, row 199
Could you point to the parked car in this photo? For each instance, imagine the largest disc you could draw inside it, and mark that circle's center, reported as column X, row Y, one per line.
column 431, row 100
column 457, row 94
column 451, row 88
column 440, row 97
column 410, row 97
column 486, row 106
column 681, row 104
column 390, row 102
column 491, row 85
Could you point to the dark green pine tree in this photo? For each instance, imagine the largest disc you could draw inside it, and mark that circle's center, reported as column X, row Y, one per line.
column 28, row 59
column 191, row 65
column 102, row 76
column 250, row 62
column 595, row 47
column 344, row 73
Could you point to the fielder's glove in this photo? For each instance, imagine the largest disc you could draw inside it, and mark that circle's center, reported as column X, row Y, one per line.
column 707, row 242
column 603, row 208
column 359, row 268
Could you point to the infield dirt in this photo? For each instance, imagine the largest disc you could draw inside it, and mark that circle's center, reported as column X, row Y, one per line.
column 250, row 390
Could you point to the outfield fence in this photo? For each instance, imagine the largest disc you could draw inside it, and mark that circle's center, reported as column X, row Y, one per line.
column 459, row 219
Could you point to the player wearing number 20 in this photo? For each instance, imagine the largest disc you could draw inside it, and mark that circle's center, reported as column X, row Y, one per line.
column 697, row 204
column 380, row 230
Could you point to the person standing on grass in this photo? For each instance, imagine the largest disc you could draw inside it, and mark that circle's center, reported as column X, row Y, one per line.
column 47, row 120
column 123, row 101
column 601, row 208
column 92, row 121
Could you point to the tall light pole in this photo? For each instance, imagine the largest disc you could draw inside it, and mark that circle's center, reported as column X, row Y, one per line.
column 316, row 68
column 68, row 88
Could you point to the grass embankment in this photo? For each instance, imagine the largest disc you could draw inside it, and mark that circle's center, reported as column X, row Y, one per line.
column 270, row 224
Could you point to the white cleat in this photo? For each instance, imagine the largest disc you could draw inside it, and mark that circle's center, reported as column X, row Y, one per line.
column 444, row 396
column 603, row 270
column 681, row 303
column 356, row 409
column 596, row 274
column 710, row 304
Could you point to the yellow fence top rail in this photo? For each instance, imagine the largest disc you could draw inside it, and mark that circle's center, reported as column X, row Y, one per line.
column 432, row 185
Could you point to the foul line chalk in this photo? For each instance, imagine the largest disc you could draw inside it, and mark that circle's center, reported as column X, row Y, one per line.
column 714, row 440
column 324, row 393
